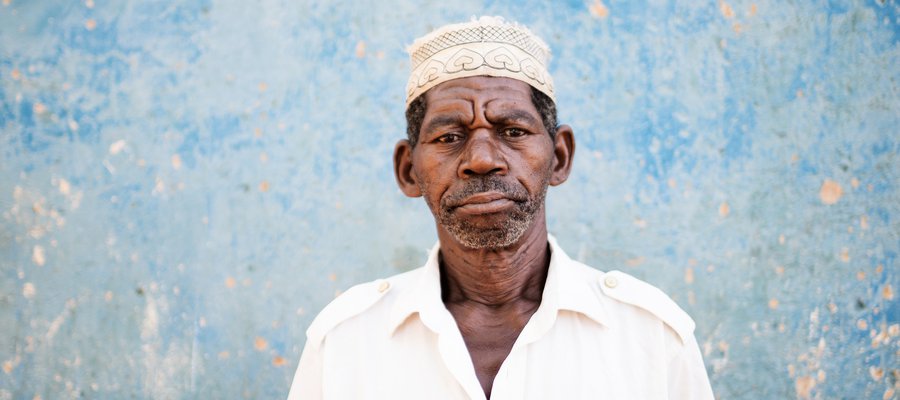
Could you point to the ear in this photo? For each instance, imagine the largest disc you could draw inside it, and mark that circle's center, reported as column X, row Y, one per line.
column 563, row 153
column 403, row 169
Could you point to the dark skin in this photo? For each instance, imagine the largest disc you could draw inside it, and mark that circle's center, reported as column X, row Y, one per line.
column 474, row 127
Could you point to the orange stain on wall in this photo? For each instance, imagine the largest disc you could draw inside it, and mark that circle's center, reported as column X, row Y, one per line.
column 726, row 10
column 260, row 343
column 830, row 192
column 599, row 10
column 803, row 386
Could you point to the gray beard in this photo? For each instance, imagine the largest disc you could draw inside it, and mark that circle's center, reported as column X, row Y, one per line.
column 501, row 234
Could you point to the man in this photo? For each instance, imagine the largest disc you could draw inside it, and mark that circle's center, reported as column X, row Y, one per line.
column 498, row 311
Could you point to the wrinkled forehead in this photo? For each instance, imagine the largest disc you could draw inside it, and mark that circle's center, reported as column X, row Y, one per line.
column 480, row 92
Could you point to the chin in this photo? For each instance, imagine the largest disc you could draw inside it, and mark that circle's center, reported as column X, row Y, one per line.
column 495, row 237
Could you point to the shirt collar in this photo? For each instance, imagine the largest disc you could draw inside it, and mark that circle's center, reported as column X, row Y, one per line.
column 567, row 288
column 576, row 288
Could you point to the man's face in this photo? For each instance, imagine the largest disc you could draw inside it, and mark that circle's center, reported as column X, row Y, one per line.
column 483, row 160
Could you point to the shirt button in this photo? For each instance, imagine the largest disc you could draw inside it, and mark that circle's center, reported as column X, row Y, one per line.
column 611, row 282
column 384, row 286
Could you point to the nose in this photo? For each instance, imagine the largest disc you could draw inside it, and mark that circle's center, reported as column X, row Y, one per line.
column 482, row 156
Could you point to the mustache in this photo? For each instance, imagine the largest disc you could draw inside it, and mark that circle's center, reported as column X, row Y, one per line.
column 483, row 184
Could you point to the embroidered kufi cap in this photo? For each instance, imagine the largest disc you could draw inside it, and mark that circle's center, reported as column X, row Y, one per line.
column 486, row 46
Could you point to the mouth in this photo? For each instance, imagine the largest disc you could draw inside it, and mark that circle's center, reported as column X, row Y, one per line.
column 484, row 203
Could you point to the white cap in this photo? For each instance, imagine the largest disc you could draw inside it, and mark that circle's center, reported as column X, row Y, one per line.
column 486, row 46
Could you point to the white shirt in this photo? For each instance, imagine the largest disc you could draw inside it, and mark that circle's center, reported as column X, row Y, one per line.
column 595, row 336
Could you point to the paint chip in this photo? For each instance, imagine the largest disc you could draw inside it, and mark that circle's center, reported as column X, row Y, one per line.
column 723, row 346
column 726, row 10
column 634, row 262
column 28, row 290
column 38, row 108
column 860, row 275
column 773, row 303
column 64, row 187
column 37, row 256
column 753, row 10
column 90, row 24
column 888, row 394
column 781, row 239
column 360, row 49
column 893, row 330
column 599, row 10
column 176, row 161
column 863, row 222
column 262, row 86
column 108, row 296
column 230, row 282
column 224, row 355
column 264, row 186
column 15, row 74
column 689, row 275
column 279, row 361
column 845, row 255
column 887, row 292
column 117, row 147
column 803, row 386
column 8, row 365
column 724, row 209
column 257, row 132
column 89, row 3
column 876, row 373
column 260, row 344
column 830, row 192
column 862, row 325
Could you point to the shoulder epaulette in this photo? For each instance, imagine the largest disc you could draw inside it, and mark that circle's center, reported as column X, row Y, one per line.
column 349, row 304
column 628, row 289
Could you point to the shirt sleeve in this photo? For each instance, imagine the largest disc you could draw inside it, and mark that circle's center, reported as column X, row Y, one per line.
column 687, row 375
column 307, row 383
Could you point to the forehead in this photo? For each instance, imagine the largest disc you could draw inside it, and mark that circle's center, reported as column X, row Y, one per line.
column 481, row 91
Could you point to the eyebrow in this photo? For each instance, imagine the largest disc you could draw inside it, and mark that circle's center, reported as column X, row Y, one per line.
column 443, row 120
column 515, row 116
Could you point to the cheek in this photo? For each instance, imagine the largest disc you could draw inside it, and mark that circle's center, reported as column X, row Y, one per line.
column 432, row 183
column 539, row 167
column 433, row 170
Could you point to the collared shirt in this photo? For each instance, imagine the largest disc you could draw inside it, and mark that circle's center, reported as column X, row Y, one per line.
column 595, row 335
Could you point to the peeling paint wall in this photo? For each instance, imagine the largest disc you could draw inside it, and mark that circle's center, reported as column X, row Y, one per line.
column 184, row 184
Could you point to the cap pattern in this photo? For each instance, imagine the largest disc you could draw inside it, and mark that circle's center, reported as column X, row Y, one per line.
column 488, row 46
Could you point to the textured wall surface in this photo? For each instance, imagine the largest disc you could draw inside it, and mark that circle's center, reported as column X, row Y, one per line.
column 184, row 184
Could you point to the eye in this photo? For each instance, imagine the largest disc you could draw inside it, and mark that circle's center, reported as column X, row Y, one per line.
column 514, row 132
column 448, row 138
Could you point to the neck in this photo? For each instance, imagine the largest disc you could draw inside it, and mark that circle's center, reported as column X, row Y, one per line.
column 495, row 277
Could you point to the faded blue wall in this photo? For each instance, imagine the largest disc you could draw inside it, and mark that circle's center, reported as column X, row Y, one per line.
column 183, row 185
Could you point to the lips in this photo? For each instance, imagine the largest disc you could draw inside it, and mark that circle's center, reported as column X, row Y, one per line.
column 484, row 203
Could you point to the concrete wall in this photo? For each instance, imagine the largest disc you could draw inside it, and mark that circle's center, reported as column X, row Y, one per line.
column 184, row 184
